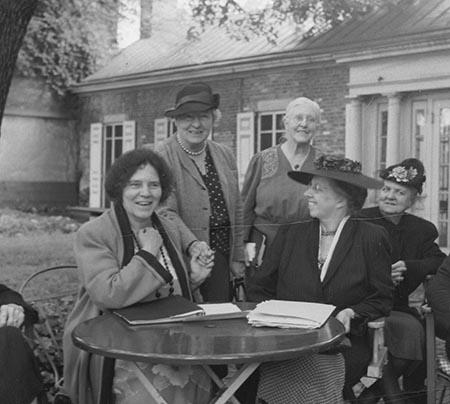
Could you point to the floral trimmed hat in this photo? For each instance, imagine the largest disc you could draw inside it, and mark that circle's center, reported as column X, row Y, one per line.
column 409, row 172
column 336, row 168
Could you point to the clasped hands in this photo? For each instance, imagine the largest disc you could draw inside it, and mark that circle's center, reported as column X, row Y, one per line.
column 12, row 315
column 398, row 272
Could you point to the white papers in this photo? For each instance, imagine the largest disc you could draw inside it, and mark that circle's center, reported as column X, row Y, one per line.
column 219, row 308
column 289, row 314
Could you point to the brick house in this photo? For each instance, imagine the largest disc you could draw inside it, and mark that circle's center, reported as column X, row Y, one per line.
column 382, row 81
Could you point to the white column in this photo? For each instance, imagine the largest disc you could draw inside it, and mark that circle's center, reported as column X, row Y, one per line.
column 353, row 129
column 393, row 129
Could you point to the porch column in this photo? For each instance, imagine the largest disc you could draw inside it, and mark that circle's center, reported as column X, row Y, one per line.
column 393, row 129
column 353, row 129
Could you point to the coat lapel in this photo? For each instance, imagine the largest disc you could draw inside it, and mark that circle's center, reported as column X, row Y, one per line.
column 342, row 247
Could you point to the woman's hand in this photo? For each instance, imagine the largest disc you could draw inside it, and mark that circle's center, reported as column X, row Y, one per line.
column 202, row 250
column 199, row 272
column 398, row 272
column 150, row 240
column 238, row 269
column 11, row 314
column 345, row 316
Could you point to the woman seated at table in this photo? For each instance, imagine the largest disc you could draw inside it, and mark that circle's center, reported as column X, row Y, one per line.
column 20, row 381
column 414, row 255
column 334, row 259
column 128, row 255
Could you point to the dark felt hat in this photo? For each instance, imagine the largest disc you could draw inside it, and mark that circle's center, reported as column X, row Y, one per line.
column 409, row 172
column 194, row 97
column 336, row 168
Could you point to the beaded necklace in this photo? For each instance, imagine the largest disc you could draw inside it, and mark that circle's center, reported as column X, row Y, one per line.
column 186, row 150
column 165, row 264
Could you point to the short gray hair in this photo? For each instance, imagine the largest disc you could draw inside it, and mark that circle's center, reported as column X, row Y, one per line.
column 303, row 100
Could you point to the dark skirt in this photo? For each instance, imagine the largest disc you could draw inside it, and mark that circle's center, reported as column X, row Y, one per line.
column 216, row 288
column 19, row 375
column 405, row 336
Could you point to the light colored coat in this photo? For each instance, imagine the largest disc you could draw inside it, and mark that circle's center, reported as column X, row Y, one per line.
column 99, row 251
column 190, row 199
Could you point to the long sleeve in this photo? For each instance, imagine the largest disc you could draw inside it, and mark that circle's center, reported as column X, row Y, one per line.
column 431, row 257
column 8, row 296
column 377, row 259
column 108, row 285
column 249, row 188
column 438, row 296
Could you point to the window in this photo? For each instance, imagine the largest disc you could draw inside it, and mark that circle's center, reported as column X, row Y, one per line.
column 382, row 124
column 270, row 129
column 418, row 128
column 444, row 166
column 112, row 148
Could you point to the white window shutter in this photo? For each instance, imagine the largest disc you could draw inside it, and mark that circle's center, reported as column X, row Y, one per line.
column 161, row 130
column 245, row 142
column 129, row 136
column 95, row 166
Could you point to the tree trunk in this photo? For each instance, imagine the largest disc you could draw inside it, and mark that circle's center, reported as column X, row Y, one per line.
column 14, row 18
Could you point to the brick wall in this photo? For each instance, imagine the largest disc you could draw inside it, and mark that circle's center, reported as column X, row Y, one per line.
column 239, row 92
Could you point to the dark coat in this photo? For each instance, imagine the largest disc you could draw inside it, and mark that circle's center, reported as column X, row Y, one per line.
column 412, row 241
column 438, row 296
column 359, row 274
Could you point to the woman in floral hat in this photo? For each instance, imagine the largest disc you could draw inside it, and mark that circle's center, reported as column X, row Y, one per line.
column 331, row 258
column 414, row 255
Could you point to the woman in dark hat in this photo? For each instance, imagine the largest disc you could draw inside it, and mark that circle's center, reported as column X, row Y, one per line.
column 415, row 254
column 332, row 258
column 206, row 193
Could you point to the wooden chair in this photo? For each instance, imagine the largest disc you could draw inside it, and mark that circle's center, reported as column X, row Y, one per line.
column 438, row 365
column 52, row 292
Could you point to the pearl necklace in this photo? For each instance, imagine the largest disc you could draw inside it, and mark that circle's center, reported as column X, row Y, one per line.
column 190, row 152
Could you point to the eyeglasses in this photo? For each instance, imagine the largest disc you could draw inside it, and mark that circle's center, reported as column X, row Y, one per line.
column 203, row 118
column 316, row 188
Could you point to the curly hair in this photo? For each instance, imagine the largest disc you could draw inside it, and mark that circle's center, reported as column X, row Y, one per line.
column 128, row 163
column 356, row 196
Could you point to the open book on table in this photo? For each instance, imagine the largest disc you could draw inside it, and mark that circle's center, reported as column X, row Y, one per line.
column 290, row 314
column 176, row 308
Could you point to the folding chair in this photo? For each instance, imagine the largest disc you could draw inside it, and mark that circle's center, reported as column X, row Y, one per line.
column 52, row 292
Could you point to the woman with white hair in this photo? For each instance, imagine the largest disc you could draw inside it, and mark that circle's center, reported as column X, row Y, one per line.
column 270, row 198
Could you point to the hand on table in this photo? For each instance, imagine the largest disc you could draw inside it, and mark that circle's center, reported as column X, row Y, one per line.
column 345, row 316
column 398, row 272
column 12, row 315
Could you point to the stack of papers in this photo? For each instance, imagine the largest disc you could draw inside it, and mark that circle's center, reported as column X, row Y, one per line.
column 289, row 314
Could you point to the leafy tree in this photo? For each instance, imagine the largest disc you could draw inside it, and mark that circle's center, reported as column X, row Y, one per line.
column 67, row 41
column 315, row 16
column 14, row 18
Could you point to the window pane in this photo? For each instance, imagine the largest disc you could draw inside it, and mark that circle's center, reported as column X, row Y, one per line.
column 266, row 122
column 117, row 148
column 109, row 132
column 444, row 166
column 266, row 140
column 108, row 151
column 280, row 123
column 118, row 130
column 278, row 137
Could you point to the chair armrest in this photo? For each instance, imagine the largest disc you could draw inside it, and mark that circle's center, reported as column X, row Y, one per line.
column 379, row 350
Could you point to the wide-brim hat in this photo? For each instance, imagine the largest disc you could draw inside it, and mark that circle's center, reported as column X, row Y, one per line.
column 336, row 168
column 194, row 97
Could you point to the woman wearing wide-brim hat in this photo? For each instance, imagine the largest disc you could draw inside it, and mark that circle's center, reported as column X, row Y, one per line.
column 331, row 258
column 206, row 193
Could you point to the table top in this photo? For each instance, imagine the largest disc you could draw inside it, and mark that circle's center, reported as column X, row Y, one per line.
column 202, row 342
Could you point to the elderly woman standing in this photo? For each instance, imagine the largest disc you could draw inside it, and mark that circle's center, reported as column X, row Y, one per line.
column 334, row 259
column 128, row 255
column 415, row 254
column 206, row 194
column 270, row 197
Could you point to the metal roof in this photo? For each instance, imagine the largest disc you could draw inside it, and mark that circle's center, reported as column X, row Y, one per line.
column 409, row 22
